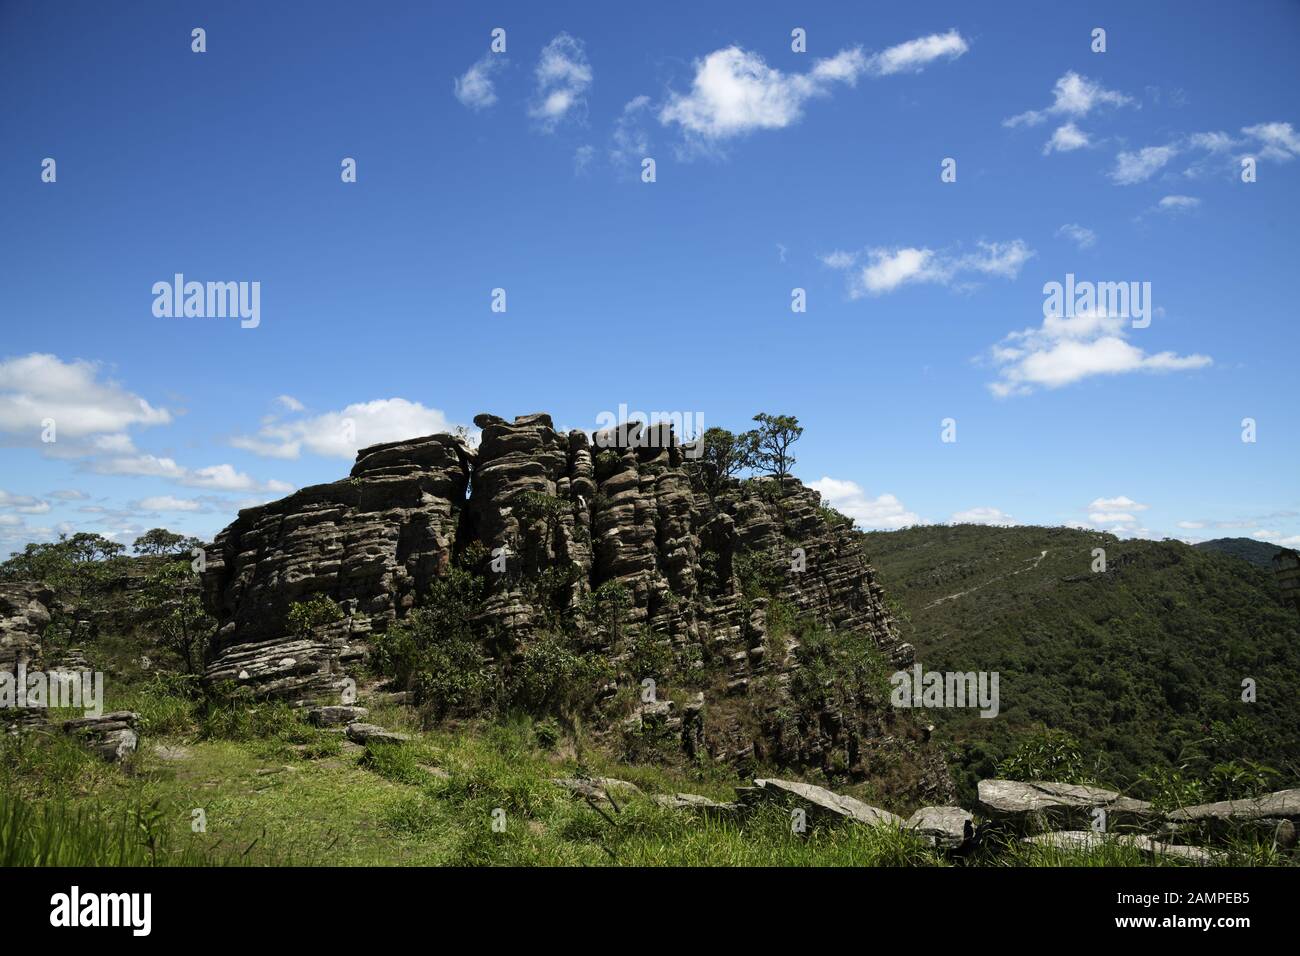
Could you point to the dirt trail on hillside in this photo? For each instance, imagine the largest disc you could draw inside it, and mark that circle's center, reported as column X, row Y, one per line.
column 1038, row 560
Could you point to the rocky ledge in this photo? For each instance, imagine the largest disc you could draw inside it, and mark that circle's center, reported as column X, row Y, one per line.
column 623, row 509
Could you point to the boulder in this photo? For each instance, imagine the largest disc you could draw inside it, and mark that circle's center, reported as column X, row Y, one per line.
column 597, row 788
column 336, row 715
column 113, row 736
column 1092, row 840
column 823, row 801
column 1285, row 804
column 1042, row 805
column 694, row 802
column 360, row 733
column 946, row 827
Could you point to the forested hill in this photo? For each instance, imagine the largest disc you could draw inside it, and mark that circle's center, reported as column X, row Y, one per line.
column 1248, row 549
column 1142, row 663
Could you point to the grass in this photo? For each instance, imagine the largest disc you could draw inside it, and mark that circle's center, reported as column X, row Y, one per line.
column 300, row 795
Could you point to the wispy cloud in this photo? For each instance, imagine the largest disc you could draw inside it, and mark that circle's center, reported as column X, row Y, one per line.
column 475, row 87
column 1074, row 96
column 887, row 269
column 1142, row 164
column 563, row 77
column 916, row 54
column 1082, row 237
column 735, row 92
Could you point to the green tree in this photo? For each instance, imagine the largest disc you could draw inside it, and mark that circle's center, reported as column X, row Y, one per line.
column 774, row 436
column 722, row 456
column 159, row 541
column 168, row 604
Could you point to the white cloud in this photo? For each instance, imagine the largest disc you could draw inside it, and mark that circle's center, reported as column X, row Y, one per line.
column 1117, row 515
column 913, row 55
column 995, row 258
column 1082, row 237
column 563, row 78
column 1178, row 203
column 990, row 516
column 339, row 434
column 475, row 88
column 1213, row 142
column 290, row 403
column 168, row 503
column 1278, row 141
column 889, row 269
column 1123, row 502
column 1140, row 166
column 1067, row 138
column 1074, row 96
column 735, row 92
column 40, row 386
column 630, row 143
column 847, row 497
column 1066, row 350
column 1191, row 525
column 69, row 494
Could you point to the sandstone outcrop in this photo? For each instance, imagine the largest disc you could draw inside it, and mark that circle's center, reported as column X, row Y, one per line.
column 579, row 512
column 24, row 614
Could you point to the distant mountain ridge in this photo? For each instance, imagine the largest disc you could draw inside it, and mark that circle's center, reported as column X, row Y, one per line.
column 1140, row 662
column 1259, row 553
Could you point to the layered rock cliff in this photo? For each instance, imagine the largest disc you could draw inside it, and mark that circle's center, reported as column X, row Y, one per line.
column 620, row 508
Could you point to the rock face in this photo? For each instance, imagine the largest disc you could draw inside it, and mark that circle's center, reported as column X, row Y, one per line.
column 24, row 613
column 620, row 508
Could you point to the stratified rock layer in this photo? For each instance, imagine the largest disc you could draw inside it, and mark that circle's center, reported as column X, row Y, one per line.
column 619, row 508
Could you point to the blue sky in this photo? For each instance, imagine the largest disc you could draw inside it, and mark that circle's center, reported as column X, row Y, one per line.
column 774, row 170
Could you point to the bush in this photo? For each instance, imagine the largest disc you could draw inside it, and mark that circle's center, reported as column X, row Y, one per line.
column 435, row 651
column 550, row 677
column 305, row 616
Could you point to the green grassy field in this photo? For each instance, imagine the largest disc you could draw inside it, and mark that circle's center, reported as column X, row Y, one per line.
column 299, row 796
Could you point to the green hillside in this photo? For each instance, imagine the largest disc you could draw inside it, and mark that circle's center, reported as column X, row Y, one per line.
column 1142, row 664
column 1248, row 549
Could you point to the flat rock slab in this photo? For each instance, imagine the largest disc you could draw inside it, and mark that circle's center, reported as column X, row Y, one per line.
column 1091, row 840
column 372, row 733
column 112, row 736
column 694, row 802
column 946, row 827
column 1284, row 804
column 1040, row 804
column 336, row 715
column 596, row 788
column 821, row 799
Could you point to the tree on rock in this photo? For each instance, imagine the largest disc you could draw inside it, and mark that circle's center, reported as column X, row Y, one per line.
column 721, row 457
column 159, row 541
column 774, row 436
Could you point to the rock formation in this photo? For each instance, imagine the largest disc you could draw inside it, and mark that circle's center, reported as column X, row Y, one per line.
column 619, row 507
